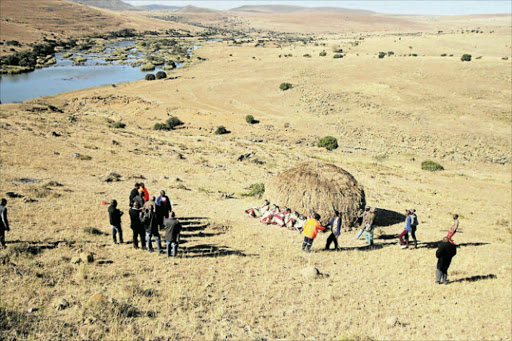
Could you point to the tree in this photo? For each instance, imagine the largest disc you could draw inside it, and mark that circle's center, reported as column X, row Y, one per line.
column 329, row 142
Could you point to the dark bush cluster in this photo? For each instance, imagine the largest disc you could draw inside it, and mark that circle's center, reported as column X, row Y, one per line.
column 118, row 125
column 170, row 124
column 150, row 77
column 382, row 55
column 338, row 55
column 255, row 190
column 161, row 75
column 466, row 57
column 221, row 130
column 328, row 142
column 322, row 54
column 250, row 119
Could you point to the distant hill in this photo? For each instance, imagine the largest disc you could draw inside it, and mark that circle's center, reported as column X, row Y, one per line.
column 194, row 9
column 116, row 5
column 286, row 9
column 155, row 7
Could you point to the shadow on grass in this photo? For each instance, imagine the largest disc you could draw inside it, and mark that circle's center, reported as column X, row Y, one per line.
column 386, row 217
column 435, row 245
column 387, row 236
column 363, row 248
column 206, row 250
column 475, row 278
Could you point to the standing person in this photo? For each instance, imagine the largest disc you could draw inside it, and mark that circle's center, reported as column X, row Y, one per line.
column 335, row 225
column 172, row 235
column 151, row 226
column 134, row 192
column 404, row 236
column 138, row 198
column 453, row 229
column 163, row 208
column 368, row 231
column 445, row 252
column 115, row 221
column 136, row 226
column 311, row 228
column 414, row 226
column 145, row 193
column 4, row 223
column 365, row 216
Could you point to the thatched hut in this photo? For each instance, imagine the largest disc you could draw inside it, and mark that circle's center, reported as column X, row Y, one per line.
column 318, row 187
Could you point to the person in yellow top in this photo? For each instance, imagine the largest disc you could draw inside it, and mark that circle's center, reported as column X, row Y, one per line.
column 311, row 228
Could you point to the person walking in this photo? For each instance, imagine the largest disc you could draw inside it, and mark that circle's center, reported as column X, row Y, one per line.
column 136, row 226
column 163, row 208
column 453, row 228
column 172, row 235
column 445, row 252
column 335, row 225
column 115, row 221
column 311, row 228
column 404, row 236
column 368, row 231
column 364, row 221
column 151, row 226
column 414, row 226
column 4, row 222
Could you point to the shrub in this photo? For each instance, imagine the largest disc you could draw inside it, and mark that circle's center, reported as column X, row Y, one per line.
column 169, row 124
column 118, row 125
column 466, row 57
column 322, row 54
column 256, row 189
column 444, row 55
column 150, row 77
column 161, row 75
column 221, row 130
column 431, row 166
column 285, row 86
column 249, row 119
column 382, row 55
column 147, row 67
column 337, row 55
column 390, row 53
column 92, row 230
column 329, row 142
column 307, row 55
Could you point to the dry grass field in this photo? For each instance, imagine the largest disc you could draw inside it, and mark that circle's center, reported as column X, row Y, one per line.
column 236, row 279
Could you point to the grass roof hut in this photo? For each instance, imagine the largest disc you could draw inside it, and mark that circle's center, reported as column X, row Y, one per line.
column 318, row 187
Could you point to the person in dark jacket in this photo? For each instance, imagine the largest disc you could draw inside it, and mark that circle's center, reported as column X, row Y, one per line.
column 172, row 235
column 115, row 220
column 335, row 225
column 163, row 208
column 134, row 193
column 445, row 252
column 136, row 226
column 150, row 223
column 4, row 223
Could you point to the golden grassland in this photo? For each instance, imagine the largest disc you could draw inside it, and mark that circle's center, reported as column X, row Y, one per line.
column 236, row 279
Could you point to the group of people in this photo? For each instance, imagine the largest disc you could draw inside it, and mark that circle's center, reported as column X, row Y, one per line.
column 147, row 217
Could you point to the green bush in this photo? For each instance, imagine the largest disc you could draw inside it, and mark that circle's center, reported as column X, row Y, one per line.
column 221, row 130
column 255, row 190
column 249, row 119
column 338, row 55
column 329, row 142
column 285, row 86
column 170, row 124
column 150, row 77
column 382, row 55
column 466, row 57
column 118, row 125
column 431, row 166
column 307, row 55
column 161, row 75
column 322, row 54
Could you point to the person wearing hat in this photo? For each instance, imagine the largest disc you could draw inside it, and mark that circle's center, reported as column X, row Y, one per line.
column 311, row 228
column 414, row 226
column 368, row 231
column 335, row 225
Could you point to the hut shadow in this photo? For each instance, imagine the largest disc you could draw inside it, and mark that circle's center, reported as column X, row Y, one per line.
column 435, row 245
column 364, row 247
column 386, row 217
column 207, row 250
column 475, row 278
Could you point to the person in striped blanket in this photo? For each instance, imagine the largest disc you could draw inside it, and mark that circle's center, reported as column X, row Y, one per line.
column 281, row 217
column 266, row 218
column 258, row 211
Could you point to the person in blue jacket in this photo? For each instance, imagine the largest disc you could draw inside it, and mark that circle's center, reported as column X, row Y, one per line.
column 404, row 236
column 335, row 225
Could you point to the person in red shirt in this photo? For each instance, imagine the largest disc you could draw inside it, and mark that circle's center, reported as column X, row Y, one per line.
column 145, row 193
column 311, row 228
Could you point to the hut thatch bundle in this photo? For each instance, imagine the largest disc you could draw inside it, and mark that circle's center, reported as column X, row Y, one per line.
column 318, row 187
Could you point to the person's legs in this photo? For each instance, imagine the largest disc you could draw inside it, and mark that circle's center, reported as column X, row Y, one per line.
column 330, row 239
column 135, row 239
column 167, row 248
column 401, row 237
column 149, row 245
column 174, row 249
column 120, row 230
column 335, row 239
column 114, row 234
column 413, row 235
column 439, row 275
column 304, row 243
column 157, row 241
column 142, row 236
column 370, row 237
column 309, row 244
column 450, row 235
column 2, row 237
column 445, row 276
column 359, row 233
